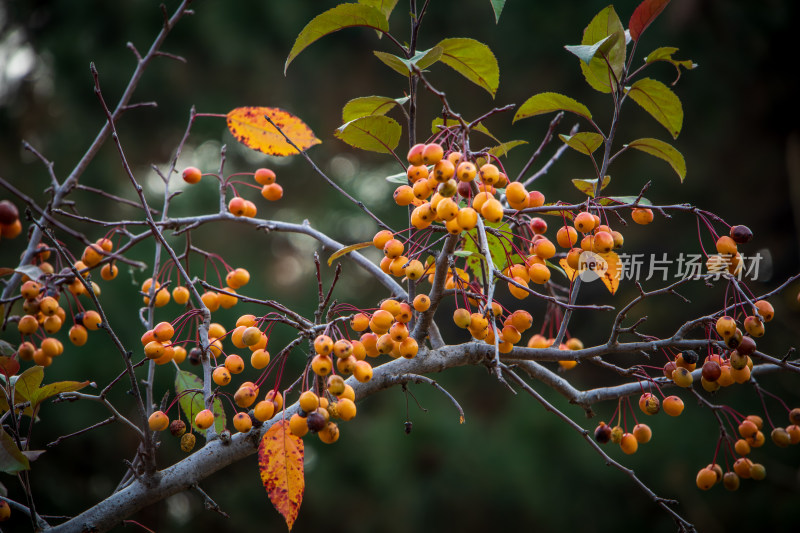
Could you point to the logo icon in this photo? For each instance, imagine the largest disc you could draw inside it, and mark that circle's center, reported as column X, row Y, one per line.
column 591, row 266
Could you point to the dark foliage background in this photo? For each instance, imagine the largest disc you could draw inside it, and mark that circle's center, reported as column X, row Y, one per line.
column 512, row 464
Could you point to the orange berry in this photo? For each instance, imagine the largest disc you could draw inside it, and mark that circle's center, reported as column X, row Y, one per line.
column 246, row 394
column 210, row 300
column 422, row 303
column 158, row 421
column 329, row 434
column 264, row 410
column 629, row 444
column 415, row 154
column 584, row 222
column 238, row 277
column 642, row 215
column 443, row 171
column 345, row 409
column 492, row 210
column 323, row 345
column 567, row 237
column 204, row 419
column 264, row 176
column 221, row 376
column 765, row 309
column 321, row 365
column 298, row 425
column 535, row 199
column 78, row 335
column 643, row 433
column 466, row 171
column 417, row 173
column 706, row 478
column 163, row 331
column 672, row 405
column 516, row 195
column 544, row 248
column 490, row 174
column 272, row 192
column 363, row 371
column 742, row 467
column 192, row 175
column 236, row 206
column 432, row 153
column 381, row 238
column 259, row 359
column 276, row 398
column 242, row 422
column 403, row 195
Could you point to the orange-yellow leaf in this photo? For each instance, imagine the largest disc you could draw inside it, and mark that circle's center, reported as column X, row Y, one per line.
column 280, row 460
column 610, row 277
column 346, row 250
column 250, row 128
column 568, row 270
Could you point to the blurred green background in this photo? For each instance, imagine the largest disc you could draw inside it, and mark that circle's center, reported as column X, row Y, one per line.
column 512, row 465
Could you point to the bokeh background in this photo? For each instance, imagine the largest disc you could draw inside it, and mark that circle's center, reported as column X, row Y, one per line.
column 511, row 465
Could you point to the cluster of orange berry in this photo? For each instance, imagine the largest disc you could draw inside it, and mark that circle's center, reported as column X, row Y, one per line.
column 751, row 436
column 573, row 343
column 213, row 300
column 10, row 225
column 650, row 405
column 43, row 318
column 723, row 370
column 438, row 178
column 239, row 206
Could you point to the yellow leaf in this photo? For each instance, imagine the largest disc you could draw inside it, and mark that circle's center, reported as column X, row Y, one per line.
column 250, row 128
column 610, row 277
column 346, row 250
column 280, row 460
column 568, row 270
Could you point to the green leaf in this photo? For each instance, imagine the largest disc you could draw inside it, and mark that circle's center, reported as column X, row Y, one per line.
column 586, row 52
column 375, row 133
column 497, row 6
column 369, row 105
column 584, row 142
column 385, row 6
column 52, row 389
column 643, row 15
column 658, row 100
column 608, row 200
column 496, row 249
column 473, row 60
column 556, row 267
column 469, row 253
column 335, row 19
column 192, row 403
column 422, row 60
column 6, row 349
column 28, row 383
column 542, row 103
column 663, row 151
column 587, row 186
column 11, row 459
column 400, row 178
column 597, row 74
column 503, row 148
column 665, row 54
column 32, row 271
